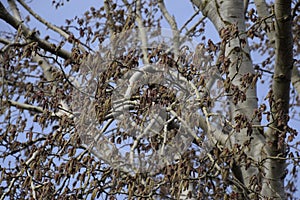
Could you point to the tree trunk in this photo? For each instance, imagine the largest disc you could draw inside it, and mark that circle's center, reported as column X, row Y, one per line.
column 275, row 146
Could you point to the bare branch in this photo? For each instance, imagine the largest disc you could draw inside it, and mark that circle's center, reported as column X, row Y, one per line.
column 34, row 155
column 36, row 109
column 143, row 35
column 189, row 20
column 48, row 24
column 262, row 10
column 31, row 35
column 25, row 106
column 14, row 9
column 172, row 22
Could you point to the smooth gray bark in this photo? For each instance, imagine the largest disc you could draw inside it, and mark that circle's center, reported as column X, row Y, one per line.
column 275, row 163
column 226, row 13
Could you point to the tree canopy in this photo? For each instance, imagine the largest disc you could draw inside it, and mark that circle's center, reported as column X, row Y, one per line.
column 121, row 102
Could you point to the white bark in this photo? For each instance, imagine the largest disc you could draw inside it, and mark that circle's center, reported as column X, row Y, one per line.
column 224, row 14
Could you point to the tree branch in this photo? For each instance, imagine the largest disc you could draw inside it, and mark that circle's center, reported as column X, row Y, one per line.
column 262, row 10
column 36, row 109
column 49, row 25
column 172, row 22
column 142, row 32
column 31, row 35
column 241, row 64
column 34, row 155
column 14, row 9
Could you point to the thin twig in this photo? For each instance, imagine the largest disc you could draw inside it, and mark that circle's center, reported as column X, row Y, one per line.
column 51, row 26
column 189, row 20
column 19, row 174
column 31, row 35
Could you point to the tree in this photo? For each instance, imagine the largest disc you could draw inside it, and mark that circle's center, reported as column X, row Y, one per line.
column 189, row 119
